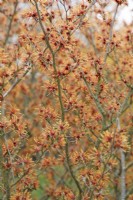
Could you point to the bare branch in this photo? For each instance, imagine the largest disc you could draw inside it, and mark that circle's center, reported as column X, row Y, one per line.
column 10, row 23
column 110, row 34
column 15, row 83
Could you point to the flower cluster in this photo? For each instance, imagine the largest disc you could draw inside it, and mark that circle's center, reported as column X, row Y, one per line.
column 66, row 93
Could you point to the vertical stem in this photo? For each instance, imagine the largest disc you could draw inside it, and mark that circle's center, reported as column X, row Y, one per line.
column 6, row 183
column 1, row 163
column 5, row 172
column 123, row 166
column 71, row 172
column 123, row 175
column 60, row 101
column 10, row 23
column 110, row 35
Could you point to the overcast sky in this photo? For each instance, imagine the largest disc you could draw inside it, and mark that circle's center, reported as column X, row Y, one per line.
column 127, row 13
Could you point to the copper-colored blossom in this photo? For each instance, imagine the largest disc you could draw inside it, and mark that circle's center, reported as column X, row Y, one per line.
column 66, row 93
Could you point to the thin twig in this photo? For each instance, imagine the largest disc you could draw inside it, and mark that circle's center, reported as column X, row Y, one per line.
column 15, row 83
column 110, row 35
column 10, row 23
column 123, row 164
